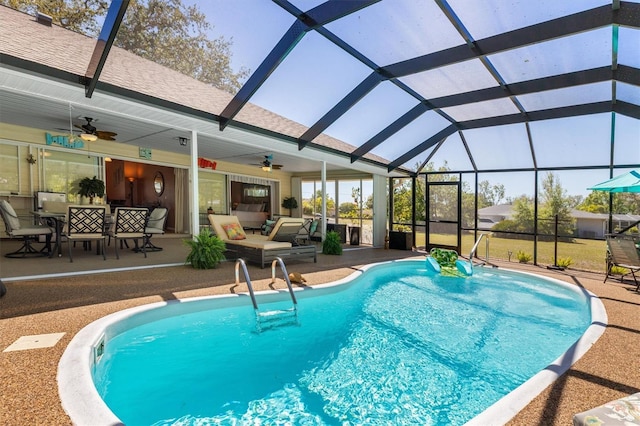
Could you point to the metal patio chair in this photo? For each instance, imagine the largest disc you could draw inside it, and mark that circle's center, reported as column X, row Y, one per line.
column 27, row 233
column 129, row 224
column 86, row 224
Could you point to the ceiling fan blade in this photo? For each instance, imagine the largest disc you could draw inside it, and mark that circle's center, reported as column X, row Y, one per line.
column 107, row 136
column 66, row 130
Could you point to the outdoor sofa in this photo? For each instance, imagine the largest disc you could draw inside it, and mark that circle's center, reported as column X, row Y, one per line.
column 262, row 249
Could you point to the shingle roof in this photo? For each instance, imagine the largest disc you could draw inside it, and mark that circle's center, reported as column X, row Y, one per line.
column 22, row 37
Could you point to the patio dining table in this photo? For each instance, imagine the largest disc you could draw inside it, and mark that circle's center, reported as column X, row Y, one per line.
column 56, row 221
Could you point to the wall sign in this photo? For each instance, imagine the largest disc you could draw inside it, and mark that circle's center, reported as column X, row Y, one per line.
column 203, row 163
column 145, row 153
column 64, row 141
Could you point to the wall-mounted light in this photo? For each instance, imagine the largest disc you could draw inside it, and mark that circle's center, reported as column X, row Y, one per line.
column 88, row 137
column 31, row 159
column 107, row 159
column 183, row 141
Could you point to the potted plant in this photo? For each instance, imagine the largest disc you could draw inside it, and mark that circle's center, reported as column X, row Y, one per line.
column 210, row 210
column 91, row 188
column 331, row 243
column 207, row 250
column 290, row 203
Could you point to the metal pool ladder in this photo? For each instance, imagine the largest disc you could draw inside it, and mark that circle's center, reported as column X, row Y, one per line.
column 273, row 315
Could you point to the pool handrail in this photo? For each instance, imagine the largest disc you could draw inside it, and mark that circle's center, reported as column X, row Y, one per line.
column 241, row 262
column 286, row 278
column 475, row 248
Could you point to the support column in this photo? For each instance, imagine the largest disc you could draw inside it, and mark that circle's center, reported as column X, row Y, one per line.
column 193, row 192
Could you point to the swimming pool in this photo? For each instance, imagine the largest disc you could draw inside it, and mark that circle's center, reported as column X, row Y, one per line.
column 416, row 348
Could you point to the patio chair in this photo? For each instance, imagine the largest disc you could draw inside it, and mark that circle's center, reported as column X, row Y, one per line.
column 622, row 251
column 155, row 226
column 28, row 233
column 129, row 224
column 86, row 224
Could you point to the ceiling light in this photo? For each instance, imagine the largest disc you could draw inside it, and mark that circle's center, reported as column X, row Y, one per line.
column 266, row 168
column 88, row 137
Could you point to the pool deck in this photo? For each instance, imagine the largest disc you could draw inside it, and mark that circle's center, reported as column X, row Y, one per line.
column 65, row 304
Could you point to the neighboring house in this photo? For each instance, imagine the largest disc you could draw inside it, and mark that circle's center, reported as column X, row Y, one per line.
column 588, row 225
column 489, row 216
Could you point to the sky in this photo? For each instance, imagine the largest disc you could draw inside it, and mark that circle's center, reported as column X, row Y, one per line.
column 316, row 74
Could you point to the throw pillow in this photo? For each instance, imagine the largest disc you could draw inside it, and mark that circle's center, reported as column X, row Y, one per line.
column 234, row 231
column 268, row 226
column 313, row 228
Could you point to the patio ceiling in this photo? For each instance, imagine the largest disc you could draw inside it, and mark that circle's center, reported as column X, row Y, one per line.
column 395, row 81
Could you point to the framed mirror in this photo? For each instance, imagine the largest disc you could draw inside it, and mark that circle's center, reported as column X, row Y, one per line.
column 158, row 183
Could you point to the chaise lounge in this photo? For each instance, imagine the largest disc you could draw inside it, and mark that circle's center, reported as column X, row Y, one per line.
column 623, row 252
column 262, row 249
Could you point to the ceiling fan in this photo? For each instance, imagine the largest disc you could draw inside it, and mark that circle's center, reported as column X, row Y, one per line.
column 101, row 134
column 267, row 164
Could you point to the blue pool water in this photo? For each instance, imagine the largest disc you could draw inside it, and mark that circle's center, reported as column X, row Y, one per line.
column 399, row 345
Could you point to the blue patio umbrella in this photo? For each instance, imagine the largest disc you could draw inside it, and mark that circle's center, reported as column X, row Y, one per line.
column 628, row 182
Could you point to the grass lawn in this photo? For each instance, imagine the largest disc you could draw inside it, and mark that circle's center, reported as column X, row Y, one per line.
column 588, row 255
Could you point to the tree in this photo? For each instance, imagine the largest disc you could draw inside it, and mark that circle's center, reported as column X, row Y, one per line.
column 554, row 202
column 623, row 203
column 348, row 210
column 402, row 204
column 170, row 34
column 163, row 31
column 489, row 195
column 523, row 214
column 314, row 205
column 76, row 15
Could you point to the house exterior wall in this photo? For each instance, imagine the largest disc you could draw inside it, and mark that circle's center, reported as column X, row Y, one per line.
column 590, row 228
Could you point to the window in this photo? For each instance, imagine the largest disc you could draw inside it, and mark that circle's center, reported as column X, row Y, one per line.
column 213, row 192
column 63, row 171
column 9, row 168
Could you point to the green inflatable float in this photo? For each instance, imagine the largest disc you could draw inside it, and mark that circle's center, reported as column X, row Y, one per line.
column 446, row 262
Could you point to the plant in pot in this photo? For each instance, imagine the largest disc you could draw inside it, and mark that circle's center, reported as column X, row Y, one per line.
column 91, row 188
column 331, row 243
column 210, row 210
column 290, row 203
column 207, row 250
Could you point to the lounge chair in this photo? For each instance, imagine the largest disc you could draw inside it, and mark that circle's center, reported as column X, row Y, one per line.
column 262, row 249
column 622, row 251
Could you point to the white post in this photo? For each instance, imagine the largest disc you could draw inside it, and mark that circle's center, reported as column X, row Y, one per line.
column 323, row 176
column 193, row 191
column 379, row 209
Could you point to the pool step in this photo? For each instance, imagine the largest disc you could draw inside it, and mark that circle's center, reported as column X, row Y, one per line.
column 277, row 318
